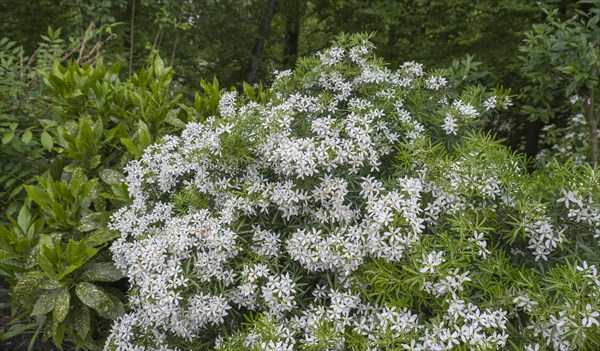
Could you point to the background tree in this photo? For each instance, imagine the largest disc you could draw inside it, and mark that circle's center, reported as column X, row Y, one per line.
column 561, row 60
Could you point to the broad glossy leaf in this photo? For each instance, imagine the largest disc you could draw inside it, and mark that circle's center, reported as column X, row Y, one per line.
column 173, row 120
column 144, row 137
column 98, row 299
column 81, row 317
column 28, row 285
column 101, row 272
column 111, row 176
column 90, row 222
column 75, row 252
column 101, row 236
column 61, row 305
column 58, row 333
column 45, row 303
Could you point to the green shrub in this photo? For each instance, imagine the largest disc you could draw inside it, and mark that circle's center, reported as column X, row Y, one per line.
column 54, row 254
column 365, row 212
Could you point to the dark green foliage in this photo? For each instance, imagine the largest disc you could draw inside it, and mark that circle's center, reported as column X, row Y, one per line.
column 560, row 58
column 54, row 254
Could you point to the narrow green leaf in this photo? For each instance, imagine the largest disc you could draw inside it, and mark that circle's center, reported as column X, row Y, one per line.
column 17, row 329
column 24, row 218
column 15, row 191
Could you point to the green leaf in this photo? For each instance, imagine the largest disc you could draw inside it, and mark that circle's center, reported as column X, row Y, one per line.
column 45, row 303
column 173, row 120
column 27, row 287
column 61, row 305
column 24, row 218
column 29, row 284
column 249, row 91
column 98, row 299
column 95, row 161
column 121, row 192
column 58, row 333
column 46, row 264
column 81, row 317
column 159, row 67
column 145, row 139
column 101, row 236
column 17, row 329
column 90, row 222
column 6, row 138
column 110, row 176
column 26, row 137
column 571, row 87
column 57, row 83
column 47, row 141
column 101, row 272
column 16, row 191
column 75, row 252
column 131, row 147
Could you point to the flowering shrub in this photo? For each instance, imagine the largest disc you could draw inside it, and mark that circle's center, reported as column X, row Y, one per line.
column 358, row 209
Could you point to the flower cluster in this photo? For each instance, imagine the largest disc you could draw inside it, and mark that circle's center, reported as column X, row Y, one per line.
column 290, row 207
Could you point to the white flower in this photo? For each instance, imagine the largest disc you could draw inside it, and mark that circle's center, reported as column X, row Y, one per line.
column 432, row 260
column 227, row 104
column 589, row 317
column 436, row 82
column 573, row 99
column 525, row 302
column 490, row 103
column 266, row 243
column 450, row 126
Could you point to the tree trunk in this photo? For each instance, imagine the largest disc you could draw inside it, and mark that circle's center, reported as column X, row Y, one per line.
column 293, row 14
column 532, row 138
column 593, row 117
column 594, row 141
column 259, row 44
column 174, row 49
column 131, row 29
